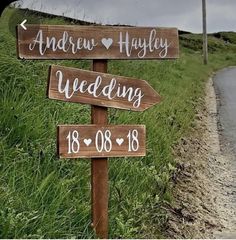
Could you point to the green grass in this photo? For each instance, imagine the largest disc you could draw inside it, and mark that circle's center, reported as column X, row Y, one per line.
column 43, row 197
column 224, row 41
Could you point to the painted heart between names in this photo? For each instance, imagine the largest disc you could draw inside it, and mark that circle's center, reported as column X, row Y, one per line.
column 107, row 42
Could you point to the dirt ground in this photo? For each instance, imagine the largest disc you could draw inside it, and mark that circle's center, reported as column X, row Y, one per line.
column 203, row 206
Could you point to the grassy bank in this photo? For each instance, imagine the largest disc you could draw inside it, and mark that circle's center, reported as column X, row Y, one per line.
column 43, row 197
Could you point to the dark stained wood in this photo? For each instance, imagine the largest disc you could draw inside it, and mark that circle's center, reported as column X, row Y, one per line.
column 97, row 42
column 99, row 170
column 87, row 133
column 134, row 94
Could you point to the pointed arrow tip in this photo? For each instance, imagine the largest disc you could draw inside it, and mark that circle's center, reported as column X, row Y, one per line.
column 23, row 24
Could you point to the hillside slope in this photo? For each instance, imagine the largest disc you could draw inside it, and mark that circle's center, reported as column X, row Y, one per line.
column 43, row 197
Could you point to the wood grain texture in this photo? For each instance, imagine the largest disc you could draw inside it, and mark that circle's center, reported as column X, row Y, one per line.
column 99, row 170
column 87, row 134
column 112, row 91
column 97, row 42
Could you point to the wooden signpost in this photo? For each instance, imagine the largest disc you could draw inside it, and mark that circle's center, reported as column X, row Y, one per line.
column 76, row 85
column 99, row 169
column 99, row 140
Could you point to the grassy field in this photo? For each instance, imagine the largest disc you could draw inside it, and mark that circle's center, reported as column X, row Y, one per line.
column 43, row 197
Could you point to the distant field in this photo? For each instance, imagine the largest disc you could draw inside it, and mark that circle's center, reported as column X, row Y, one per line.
column 223, row 41
column 44, row 197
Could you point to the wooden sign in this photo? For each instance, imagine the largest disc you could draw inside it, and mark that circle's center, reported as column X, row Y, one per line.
column 96, row 88
column 86, row 141
column 97, row 42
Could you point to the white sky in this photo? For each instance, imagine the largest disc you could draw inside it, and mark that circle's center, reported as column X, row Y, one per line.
column 183, row 14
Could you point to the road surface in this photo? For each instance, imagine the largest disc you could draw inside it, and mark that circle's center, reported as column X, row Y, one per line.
column 225, row 86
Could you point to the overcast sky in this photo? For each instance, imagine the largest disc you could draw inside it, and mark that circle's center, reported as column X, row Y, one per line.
column 183, row 14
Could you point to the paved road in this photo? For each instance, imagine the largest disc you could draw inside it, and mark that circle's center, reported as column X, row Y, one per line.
column 225, row 85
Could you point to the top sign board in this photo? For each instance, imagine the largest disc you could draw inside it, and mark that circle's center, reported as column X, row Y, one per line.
column 97, row 42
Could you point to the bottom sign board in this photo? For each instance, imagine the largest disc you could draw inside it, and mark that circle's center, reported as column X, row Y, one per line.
column 97, row 141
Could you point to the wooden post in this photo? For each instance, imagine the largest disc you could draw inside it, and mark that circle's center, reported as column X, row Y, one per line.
column 99, row 169
column 205, row 47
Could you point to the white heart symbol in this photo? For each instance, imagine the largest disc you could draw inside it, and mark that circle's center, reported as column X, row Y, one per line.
column 107, row 42
column 87, row 142
column 119, row 141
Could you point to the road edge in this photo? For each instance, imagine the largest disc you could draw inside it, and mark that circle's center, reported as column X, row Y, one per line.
column 199, row 182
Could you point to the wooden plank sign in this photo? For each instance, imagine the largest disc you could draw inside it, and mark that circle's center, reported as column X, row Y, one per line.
column 97, row 42
column 86, row 141
column 96, row 88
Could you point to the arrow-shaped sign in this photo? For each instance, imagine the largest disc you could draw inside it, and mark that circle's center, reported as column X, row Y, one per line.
column 76, row 85
column 23, row 24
